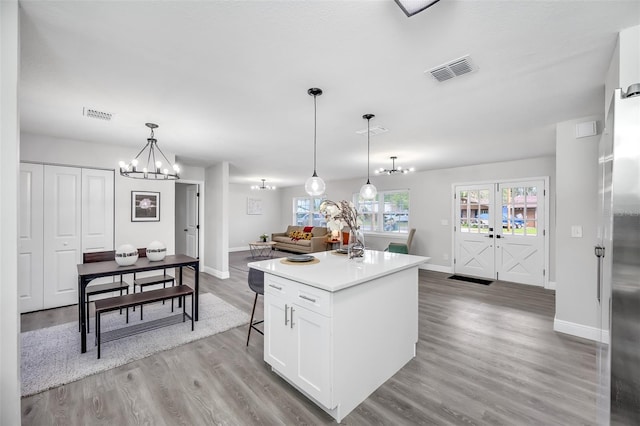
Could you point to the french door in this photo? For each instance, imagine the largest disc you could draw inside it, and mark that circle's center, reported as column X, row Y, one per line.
column 500, row 231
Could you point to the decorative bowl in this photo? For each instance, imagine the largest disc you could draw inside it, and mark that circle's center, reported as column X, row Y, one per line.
column 156, row 251
column 126, row 255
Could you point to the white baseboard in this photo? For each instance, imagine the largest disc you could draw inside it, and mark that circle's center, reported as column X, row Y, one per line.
column 551, row 285
column 218, row 274
column 579, row 330
column 234, row 249
column 436, row 268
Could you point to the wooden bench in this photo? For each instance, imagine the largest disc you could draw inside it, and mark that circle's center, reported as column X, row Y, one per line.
column 139, row 299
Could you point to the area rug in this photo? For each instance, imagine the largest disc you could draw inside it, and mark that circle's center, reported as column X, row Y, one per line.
column 470, row 279
column 51, row 356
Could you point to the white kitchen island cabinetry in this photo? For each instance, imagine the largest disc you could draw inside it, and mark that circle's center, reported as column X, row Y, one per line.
column 338, row 329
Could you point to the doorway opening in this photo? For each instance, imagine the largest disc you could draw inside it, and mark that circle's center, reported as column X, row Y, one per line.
column 187, row 219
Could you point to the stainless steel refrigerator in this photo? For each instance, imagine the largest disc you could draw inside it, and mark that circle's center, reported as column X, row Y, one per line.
column 618, row 256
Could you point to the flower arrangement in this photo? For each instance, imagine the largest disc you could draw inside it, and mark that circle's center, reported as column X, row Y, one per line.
column 341, row 215
column 264, row 237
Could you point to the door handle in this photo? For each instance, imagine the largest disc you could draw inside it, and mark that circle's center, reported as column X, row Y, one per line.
column 599, row 252
column 291, row 321
column 498, row 236
column 185, row 230
column 286, row 310
column 489, row 236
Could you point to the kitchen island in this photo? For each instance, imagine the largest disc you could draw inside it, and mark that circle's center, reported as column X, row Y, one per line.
column 338, row 329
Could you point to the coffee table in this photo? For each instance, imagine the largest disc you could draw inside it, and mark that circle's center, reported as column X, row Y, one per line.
column 260, row 249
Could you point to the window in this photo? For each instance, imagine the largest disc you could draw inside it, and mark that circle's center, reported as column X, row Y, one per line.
column 388, row 212
column 306, row 211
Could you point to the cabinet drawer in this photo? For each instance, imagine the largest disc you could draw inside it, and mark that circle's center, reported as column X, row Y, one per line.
column 311, row 298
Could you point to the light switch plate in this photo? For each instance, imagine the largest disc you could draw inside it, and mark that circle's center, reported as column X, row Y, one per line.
column 576, row 231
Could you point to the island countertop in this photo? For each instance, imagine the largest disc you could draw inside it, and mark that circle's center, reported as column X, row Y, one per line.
column 336, row 272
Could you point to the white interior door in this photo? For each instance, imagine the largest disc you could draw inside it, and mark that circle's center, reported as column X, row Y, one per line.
column 97, row 210
column 62, row 235
column 474, row 250
column 192, row 227
column 30, row 257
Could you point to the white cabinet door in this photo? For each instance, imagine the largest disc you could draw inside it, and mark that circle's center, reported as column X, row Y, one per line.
column 313, row 348
column 97, row 210
column 30, row 268
column 62, row 235
column 278, row 337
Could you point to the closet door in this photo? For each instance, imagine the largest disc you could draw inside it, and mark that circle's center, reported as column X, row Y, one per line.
column 97, row 210
column 62, row 235
column 30, row 257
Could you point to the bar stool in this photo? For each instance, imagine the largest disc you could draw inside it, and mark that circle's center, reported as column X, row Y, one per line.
column 256, row 283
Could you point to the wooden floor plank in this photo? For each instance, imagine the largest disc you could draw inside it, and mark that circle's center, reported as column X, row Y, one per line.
column 487, row 355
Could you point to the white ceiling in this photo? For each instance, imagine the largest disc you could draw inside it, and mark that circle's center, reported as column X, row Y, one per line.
column 228, row 80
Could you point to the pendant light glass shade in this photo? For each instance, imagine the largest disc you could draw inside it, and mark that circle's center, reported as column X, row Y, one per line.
column 314, row 186
column 368, row 191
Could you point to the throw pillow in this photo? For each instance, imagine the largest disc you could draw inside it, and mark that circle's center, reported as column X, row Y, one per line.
column 295, row 235
column 307, row 229
column 307, row 235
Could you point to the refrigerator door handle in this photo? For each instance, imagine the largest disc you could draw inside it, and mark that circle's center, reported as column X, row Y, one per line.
column 599, row 252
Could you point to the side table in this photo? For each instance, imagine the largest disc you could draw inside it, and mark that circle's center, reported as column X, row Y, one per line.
column 260, row 249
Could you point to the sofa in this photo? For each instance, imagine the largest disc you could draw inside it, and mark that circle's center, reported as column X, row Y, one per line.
column 296, row 240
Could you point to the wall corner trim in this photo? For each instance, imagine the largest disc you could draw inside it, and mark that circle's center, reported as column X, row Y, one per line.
column 551, row 285
column 579, row 330
column 218, row 274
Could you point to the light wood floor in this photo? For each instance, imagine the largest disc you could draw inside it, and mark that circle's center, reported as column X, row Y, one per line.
column 486, row 355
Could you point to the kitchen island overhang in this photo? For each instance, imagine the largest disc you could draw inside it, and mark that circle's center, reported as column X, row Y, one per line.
column 338, row 329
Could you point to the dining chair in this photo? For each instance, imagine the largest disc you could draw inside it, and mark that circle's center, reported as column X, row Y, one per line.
column 402, row 247
column 256, row 283
column 95, row 289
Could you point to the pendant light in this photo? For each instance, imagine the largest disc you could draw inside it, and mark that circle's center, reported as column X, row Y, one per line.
column 368, row 191
column 314, row 185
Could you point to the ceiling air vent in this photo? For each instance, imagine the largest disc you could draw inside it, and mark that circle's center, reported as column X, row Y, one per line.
column 454, row 68
column 93, row 113
column 376, row 130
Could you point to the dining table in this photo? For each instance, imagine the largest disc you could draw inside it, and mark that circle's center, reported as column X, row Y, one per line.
column 90, row 271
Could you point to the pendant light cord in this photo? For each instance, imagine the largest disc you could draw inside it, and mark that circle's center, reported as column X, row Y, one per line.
column 315, row 124
column 368, row 149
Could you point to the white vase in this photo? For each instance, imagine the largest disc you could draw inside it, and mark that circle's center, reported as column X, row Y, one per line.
column 126, row 255
column 156, row 251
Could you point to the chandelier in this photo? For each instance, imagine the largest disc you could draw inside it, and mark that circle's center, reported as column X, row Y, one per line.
column 393, row 170
column 263, row 186
column 155, row 168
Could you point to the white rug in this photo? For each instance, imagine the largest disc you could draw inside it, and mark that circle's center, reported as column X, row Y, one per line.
column 51, row 356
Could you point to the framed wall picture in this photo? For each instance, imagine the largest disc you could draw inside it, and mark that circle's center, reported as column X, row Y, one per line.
column 254, row 206
column 145, row 206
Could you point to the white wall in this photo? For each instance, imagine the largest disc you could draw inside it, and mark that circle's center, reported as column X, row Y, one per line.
column 629, row 57
column 245, row 228
column 216, row 257
column 576, row 205
column 44, row 149
column 431, row 202
column 9, row 180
